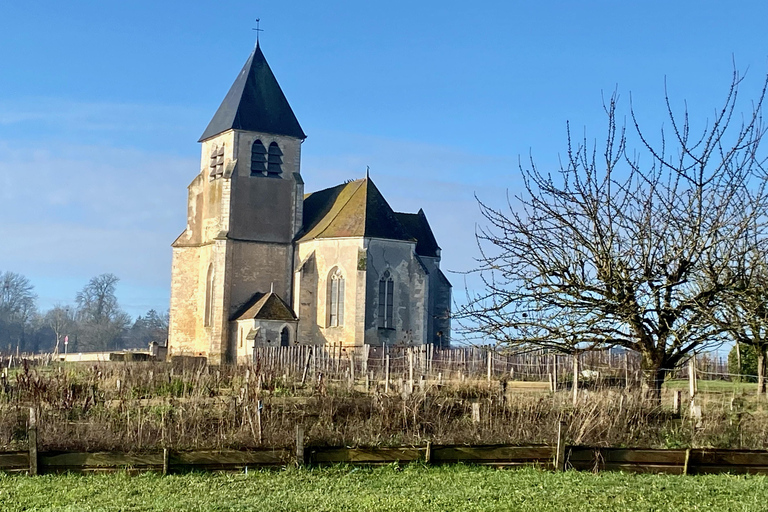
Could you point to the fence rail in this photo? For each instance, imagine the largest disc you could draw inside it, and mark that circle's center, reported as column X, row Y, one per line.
column 585, row 458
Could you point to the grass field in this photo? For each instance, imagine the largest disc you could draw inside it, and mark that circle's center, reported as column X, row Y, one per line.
column 411, row 488
column 714, row 386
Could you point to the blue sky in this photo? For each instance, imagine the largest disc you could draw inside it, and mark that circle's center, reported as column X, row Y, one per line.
column 101, row 105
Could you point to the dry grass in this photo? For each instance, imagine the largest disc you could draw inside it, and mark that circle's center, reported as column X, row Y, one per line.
column 144, row 406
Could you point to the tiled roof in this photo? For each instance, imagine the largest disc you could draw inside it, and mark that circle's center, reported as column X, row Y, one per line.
column 354, row 209
column 265, row 306
column 417, row 226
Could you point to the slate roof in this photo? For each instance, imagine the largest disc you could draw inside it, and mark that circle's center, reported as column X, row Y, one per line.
column 255, row 103
column 265, row 306
column 417, row 226
column 354, row 209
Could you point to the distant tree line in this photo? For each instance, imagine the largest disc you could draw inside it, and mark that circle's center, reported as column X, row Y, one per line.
column 94, row 322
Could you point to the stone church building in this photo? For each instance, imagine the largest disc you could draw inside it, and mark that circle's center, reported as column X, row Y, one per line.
column 261, row 263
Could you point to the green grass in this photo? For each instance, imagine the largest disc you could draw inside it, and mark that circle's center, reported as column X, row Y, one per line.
column 412, row 488
column 714, row 386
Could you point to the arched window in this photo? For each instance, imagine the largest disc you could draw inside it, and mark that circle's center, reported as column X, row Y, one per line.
column 209, row 296
column 274, row 160
column 285, row 337
column 335, row 302
column 386, row 301
column 217, row 161
column 258, row 158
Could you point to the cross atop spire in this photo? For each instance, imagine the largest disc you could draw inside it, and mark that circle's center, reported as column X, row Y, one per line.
column 257, row 29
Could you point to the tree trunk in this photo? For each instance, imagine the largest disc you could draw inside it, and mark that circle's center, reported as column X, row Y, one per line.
column 760, row 371
column 654, row 373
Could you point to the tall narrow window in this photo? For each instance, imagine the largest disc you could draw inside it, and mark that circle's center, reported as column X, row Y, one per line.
column 386, row 301
column 274, row 160
column 217, row 161
column 258, row 159
column 335, row 302
column 285, row 337
column 209, row 296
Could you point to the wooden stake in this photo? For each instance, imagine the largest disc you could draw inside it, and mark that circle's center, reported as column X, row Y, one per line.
column 32, row 438
column 692, row 377
column 306, row 368
column 575, row 378
column 554, row 372
column 165, row 461
column 299, row 445
column 490, row 364
column 386, row 374
column 676, row 399
column 410, row 370
column 351, row 357
column 259, row 407
column 475, row 412
column 626, row 369
column 560, row 454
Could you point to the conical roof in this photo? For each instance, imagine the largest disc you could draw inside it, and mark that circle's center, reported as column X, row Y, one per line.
column 255, row 103
column 353, row 209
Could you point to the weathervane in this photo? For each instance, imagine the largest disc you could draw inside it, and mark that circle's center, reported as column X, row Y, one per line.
column 257, row 29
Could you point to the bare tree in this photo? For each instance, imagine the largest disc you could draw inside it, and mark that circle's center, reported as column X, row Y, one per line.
column 17, row 307
column 742, row 312
column 61, row 320
column 101, row 321
column 613, row 248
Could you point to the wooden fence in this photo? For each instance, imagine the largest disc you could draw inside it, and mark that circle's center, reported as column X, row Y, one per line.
column 460, row 363
column 558, row 458
column 585, row 458
column 393, row 363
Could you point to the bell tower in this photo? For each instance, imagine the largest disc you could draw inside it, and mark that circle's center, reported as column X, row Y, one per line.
column 244, row 210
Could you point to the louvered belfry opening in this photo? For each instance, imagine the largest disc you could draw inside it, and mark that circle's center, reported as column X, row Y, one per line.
column 258, row 158
column 274, row 160
column 217, row 161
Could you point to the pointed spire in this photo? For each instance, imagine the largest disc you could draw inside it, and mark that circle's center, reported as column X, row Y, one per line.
column 255, row 103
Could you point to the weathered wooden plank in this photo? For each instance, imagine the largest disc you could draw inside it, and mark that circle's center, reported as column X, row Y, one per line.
column 736, row 470
column 492, row 453
column 728, row 457
column 229, row 458
column 543, row 464
column 365, row 455
column 627, row 455
column 642, row 468
column 527, row 385
column 80, row 461
column 12, row 462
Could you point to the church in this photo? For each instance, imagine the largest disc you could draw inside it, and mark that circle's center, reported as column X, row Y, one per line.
column 262, row 264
